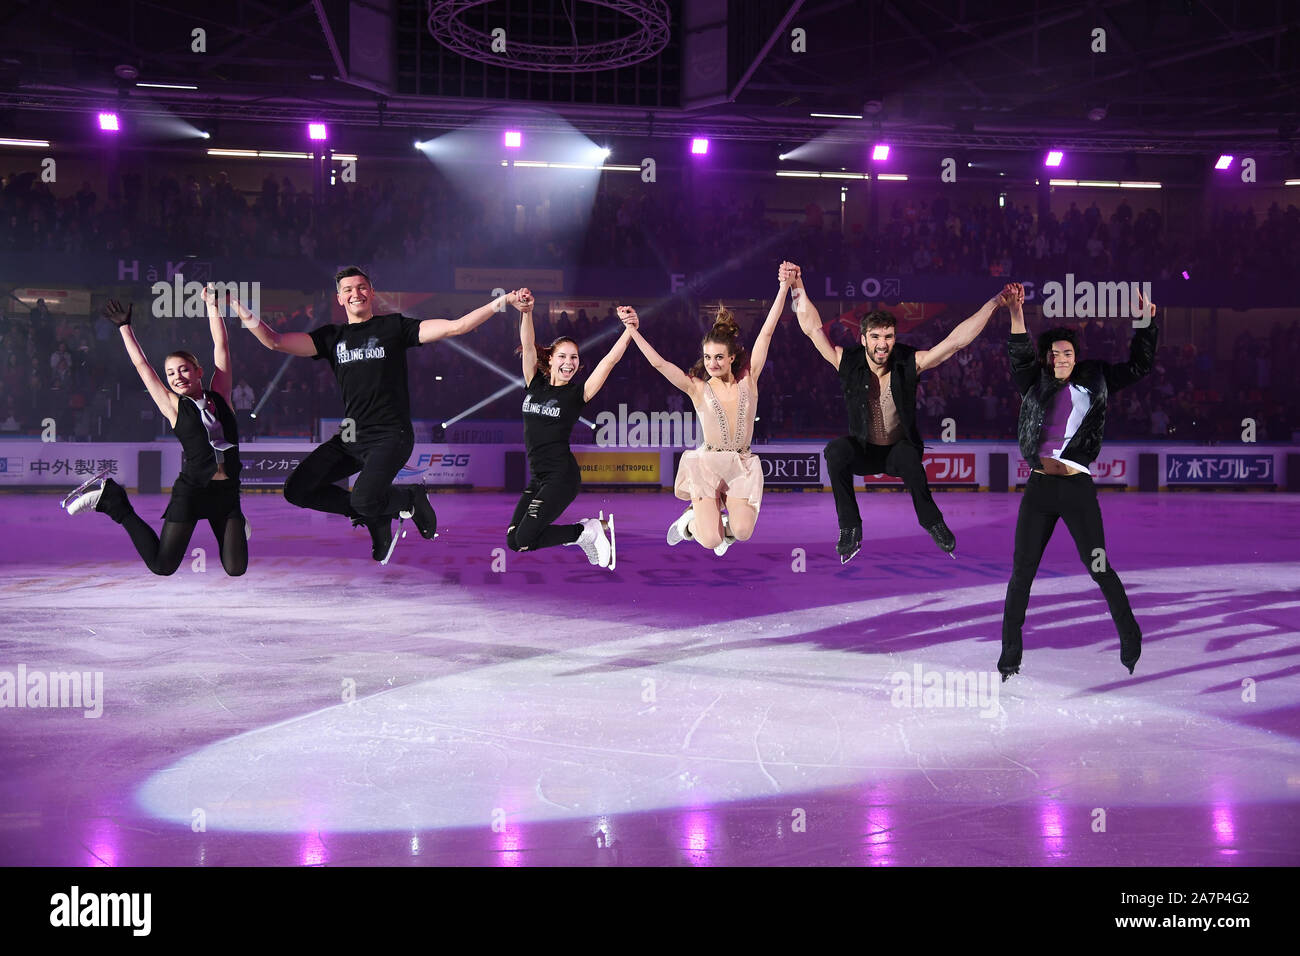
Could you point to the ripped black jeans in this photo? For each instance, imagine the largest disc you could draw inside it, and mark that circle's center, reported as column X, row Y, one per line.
column 544, row 500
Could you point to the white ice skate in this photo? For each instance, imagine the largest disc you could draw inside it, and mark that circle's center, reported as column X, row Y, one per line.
column 728, row 539
column 679, row 531
column 70, row 496
column 86, row 499
column 594, row 543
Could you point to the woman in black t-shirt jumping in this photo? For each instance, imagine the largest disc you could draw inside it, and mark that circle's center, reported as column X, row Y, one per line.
column 552, row 403
column 208, row 485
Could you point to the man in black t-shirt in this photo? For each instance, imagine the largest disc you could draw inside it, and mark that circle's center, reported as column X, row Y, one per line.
column 368, row 357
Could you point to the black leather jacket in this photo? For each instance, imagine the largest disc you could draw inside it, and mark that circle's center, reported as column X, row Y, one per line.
column 1038, row 385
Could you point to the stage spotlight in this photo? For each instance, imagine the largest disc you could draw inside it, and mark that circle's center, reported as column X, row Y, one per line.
column 699, row 146
column 316, row 131
column 514, row 139
column 1054, row 158
column 1224, row 162
column 880, row 152
column 782, row 157
column 1185, row 275
column 108, row 122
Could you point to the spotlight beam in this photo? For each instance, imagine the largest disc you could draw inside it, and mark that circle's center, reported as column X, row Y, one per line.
column 516, row 381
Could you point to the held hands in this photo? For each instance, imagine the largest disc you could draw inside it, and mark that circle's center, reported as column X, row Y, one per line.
column 627, row 315
column 210, row 296
column 522, row 299
column 115, row 314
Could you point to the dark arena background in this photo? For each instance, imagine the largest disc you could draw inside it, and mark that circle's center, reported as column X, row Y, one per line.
column 473, row 702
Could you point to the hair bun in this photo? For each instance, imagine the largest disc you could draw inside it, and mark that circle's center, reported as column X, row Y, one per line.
column 724, row 322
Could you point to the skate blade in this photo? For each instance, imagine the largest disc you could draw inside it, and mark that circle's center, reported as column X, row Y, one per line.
column 613, row 554
column 392, row 545
column 68, row 498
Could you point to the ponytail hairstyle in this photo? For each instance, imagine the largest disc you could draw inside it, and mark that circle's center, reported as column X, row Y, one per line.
column 544, row 353
column 726, row 332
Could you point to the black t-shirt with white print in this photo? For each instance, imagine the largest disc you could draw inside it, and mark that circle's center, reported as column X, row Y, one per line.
column 369, row 361
column 550, row 412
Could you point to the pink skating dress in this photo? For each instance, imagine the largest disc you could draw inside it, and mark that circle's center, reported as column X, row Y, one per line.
column 723, row 465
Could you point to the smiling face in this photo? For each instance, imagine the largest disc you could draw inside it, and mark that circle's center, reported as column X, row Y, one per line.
column 879, row 343
column 184, row 377
column 564, row 363
column 355, row 296
column 1060, row 358
column 718, row 360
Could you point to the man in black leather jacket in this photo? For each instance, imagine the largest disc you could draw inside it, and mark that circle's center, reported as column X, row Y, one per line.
column 1062, row 417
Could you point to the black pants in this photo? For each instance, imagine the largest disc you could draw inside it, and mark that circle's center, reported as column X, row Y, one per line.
column 373, row 493
column 1073, row 499
column 847, row 456
column 164, row 554
column 544, row 500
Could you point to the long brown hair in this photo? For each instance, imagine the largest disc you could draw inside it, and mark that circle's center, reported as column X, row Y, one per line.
column 726, row 332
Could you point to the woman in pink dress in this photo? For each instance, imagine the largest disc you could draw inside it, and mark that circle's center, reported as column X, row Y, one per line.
column 723, row 386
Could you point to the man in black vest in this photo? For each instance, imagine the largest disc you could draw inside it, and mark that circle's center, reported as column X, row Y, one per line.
column 879, row 380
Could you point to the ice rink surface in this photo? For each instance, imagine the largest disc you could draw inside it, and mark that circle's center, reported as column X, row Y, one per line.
column 766, row 707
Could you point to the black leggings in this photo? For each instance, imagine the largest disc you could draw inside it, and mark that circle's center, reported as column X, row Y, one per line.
column 847, row 456
column 163, row 555
column 1073, row 499
column 373, row 494
column 544, row 500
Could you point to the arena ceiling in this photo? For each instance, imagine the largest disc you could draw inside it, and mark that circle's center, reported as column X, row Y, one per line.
column 1176, row 76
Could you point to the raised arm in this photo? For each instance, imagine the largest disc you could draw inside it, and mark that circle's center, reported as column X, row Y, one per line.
column 166, row 400
column 758, row 357
column 661, row 365
column 1017, row 309
column 601, row 372
column 220, row 345
column 433, row 329
column 527, row 337
column 291, row 343
column 1142, row 352
column 1020, row 350
column 810, row 320
column 963, row 335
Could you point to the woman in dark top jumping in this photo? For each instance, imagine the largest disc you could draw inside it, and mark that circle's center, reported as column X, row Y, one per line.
column 552, row 404
column 208, row 485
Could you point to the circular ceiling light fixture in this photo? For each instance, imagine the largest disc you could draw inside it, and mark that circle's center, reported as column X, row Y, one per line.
column 650, row 22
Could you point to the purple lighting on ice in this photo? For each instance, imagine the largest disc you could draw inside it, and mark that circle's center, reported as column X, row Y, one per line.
column 699, row 146
column 880, row 151
column 316, row 130
column 108, row 121
column 1054, row 157
column 1224, row 162
column 514, row 139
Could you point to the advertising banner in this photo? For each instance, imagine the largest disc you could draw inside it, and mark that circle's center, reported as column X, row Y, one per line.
column 619, row 467
column 60, row 464
column 791, row 469
column 941, row 468
column 1112, row 468
column 1219, row 469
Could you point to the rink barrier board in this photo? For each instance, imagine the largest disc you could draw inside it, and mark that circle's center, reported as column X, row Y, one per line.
column 35, row 465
